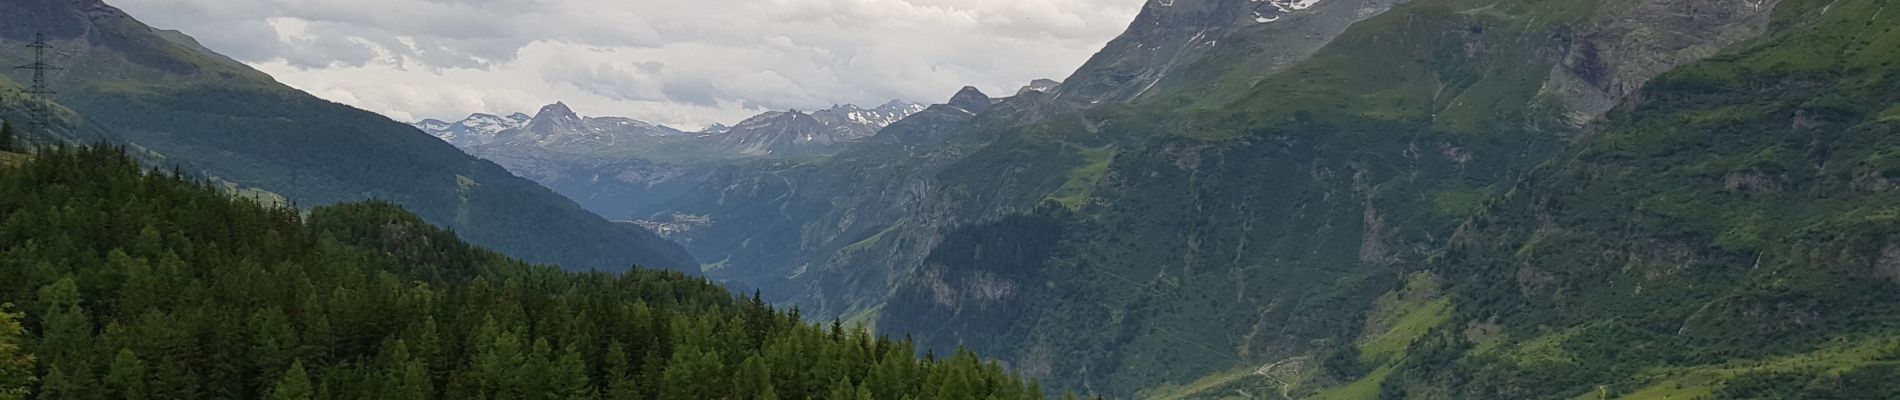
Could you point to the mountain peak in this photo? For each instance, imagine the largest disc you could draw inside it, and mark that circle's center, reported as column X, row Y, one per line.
column 556, row 110
column 971, row 99
column 896, row 103
column 715, row 128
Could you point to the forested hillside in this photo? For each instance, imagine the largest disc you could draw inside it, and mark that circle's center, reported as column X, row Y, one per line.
column 178, row 103
column 133, row 284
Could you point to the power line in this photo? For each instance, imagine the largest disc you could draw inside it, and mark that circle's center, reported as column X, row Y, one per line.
column 39, row 88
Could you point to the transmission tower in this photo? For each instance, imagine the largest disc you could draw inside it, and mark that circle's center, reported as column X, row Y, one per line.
column 37, row 106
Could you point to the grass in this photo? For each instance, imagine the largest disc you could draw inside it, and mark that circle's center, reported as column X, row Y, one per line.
column 1671, row 389
column 722, row 264
column 1199, row 387
column 1545, row 350
column 866, row 319
column 1688, row 383
column 1411, row 326
column 466, row 183
column 12, row 159
column 1461, row 202
column 261, row 196
column 862, row 245
column 1366, row 388
column 1082, row 180
column 1892, row 114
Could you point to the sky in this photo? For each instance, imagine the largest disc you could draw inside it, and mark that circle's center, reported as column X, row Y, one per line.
column 685, row 63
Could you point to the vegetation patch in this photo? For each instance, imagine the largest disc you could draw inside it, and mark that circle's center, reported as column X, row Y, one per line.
column 1082, row 180
column 1461, row 203
column 1413, row 325
column 1743, row 378
column 1366, row 388
column 1206, row 387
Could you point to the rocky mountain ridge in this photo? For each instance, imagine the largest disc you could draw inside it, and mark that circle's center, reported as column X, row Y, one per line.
column 556, row 127
column 615, row 165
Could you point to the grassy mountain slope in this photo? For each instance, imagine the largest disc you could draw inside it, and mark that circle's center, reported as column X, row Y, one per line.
column 1730, row 232
column 1243, row 222
column 160, row 91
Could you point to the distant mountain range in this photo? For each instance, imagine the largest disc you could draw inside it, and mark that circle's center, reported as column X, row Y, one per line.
column 557, row 127
column 614, row 165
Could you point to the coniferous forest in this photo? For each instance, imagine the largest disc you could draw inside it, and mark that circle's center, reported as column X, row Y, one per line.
column 129, row 283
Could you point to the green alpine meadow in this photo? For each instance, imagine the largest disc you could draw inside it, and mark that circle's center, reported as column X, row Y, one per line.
column 1188, row 200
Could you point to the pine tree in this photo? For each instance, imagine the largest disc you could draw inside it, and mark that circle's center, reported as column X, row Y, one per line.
column 272, row 345
column 16, row 366
column 622, row 383
column 127, row 376
column 570, row 376
column 498, row 358
column 58, row 386
column 8, row 140
column 692, row 374
column 295, row 385
column 752, row 380
column 411, row 382
column 67, row 341
column 842, row 391
column 652, row 369
column 536, row 377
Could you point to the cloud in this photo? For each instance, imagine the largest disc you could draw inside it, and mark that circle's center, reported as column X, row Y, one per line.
column 684, row 63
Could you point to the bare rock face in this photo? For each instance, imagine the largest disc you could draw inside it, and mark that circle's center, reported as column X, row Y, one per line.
column 972, row 100
column 1625, row 48
column 1170, row 35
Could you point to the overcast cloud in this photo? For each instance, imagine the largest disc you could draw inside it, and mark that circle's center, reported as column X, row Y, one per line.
column 681, row 62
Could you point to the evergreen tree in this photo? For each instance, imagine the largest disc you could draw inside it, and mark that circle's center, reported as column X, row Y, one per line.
column 16, row 366
column 272, row 345
column 295, row 385
column 410, row 382
column 842, row 391
column 127, row 376
column 498, row 358
column 693, row 374
column 622, row 384
column 752, row 380
column 58, row 385
column 570, row 376
column 8, row 140
column 205, row 296
column 67, row 341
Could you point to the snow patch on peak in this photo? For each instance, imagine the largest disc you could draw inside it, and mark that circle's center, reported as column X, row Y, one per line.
column 1039, row 85
column 1273, row 10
